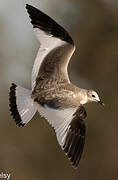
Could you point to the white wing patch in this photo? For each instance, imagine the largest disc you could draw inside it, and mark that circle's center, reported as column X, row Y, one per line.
column 47, row 43
column 25, row 105
column 59, row 119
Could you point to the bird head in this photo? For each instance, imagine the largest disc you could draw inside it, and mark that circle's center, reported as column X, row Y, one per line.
column 93, row 97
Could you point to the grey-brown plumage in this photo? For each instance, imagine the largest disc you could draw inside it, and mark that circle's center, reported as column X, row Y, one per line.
column 52, row 94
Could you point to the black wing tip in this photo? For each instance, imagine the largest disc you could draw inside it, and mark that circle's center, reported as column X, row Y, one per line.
column 13, row 106
column 75, row 139
column 42, row 21
column 74, row 148
column 28, row 7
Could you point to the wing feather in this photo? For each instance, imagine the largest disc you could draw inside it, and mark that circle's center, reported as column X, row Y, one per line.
column 43, row 22
column 47, row 44
column 56, row 46
column 70, row 129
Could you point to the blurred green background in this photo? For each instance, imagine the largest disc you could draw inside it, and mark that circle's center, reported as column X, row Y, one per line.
column 32, row 152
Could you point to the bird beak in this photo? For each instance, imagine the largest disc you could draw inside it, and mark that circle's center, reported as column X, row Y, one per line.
column 101, row 103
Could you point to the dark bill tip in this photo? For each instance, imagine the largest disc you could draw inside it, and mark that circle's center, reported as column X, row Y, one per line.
column 101, row 103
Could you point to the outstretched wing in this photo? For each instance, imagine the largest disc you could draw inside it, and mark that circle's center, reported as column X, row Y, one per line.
column 56, row 46
column 69, row 127
column 75, row 138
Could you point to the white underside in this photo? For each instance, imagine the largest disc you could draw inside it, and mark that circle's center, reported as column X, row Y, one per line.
column 59, row 120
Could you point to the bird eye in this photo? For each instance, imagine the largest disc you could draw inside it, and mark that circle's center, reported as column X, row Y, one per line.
column 93, row 95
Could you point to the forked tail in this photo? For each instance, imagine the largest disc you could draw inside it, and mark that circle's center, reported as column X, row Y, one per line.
column 22, row 106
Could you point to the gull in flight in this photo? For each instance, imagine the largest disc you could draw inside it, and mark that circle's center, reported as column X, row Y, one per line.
column 53, row 95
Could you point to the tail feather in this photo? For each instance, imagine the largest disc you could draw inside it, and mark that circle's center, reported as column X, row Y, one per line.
column 21, row 105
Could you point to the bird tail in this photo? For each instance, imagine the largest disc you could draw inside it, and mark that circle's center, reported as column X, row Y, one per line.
column 22, row 106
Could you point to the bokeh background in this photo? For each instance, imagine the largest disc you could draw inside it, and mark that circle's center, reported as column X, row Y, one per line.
column 32, row 152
